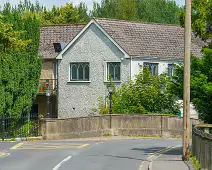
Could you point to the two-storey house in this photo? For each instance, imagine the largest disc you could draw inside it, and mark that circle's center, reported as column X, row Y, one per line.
column 79, row 58
column 52, row 41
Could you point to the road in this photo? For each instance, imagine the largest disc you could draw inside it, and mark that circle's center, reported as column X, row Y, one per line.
column 122, row 154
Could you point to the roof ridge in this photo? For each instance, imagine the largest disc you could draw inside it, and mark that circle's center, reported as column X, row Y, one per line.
column 54, row 25
column 139, row 22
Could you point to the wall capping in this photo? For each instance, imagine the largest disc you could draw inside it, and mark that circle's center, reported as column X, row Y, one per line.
column 114, row 125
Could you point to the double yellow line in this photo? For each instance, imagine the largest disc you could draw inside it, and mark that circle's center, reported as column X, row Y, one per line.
column 3, row 154
column 158, row 153
column 17, row 146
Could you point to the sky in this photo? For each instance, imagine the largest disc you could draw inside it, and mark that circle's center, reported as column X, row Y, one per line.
column 58, row 3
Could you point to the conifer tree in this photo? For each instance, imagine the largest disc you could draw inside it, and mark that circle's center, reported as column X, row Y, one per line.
column 20, row 65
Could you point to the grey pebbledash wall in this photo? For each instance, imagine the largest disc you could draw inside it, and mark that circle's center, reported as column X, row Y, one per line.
column 76, row 99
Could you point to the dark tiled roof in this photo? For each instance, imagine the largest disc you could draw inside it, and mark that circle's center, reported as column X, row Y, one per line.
column 149, row 39
column 137, row 39
column 56, row 34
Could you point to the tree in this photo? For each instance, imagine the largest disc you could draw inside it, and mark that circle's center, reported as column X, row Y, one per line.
column 20, row 65
column 10, row 39
column 144, row 95
column 158, row 11
column 106, row 9
column 127, row 10
column 201, row 69
column 67, row 14
column 201, row 84
column 82, row 9
column 201, row 18
column 115, row 9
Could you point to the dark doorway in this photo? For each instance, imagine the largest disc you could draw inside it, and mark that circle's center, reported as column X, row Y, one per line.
column 34, row 111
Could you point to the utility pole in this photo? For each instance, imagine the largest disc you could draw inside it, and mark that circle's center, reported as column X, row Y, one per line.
column 186, row 95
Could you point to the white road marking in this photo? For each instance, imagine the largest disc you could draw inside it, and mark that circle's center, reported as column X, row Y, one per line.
column 62, row 162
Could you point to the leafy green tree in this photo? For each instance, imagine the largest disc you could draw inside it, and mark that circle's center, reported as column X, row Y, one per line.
column 10, row 39
column 106, row 9
column 144, row 95
column 67, row 14
column 158, row 11
column 17, row 86
column 47, row 16
column 201, row 18
column 20, row 65
column 201, row 84
column 116, row 9
column 83, row 15
column 127, row 10
column 201, row 69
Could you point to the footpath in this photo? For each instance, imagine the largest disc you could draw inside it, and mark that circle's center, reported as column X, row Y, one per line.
column 171, row 160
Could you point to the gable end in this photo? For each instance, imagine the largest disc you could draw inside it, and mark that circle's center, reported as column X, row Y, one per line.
column 59, row 57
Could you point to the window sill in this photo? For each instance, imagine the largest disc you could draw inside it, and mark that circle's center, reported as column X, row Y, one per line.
column 113, row 81
column 79, row 81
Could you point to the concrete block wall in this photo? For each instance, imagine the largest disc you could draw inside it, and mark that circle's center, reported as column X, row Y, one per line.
column 115, row 125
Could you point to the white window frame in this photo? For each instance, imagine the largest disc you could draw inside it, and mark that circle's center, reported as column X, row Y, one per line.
column 107, row 66
column 78, row 79
column 170, row 69
column 151, row 66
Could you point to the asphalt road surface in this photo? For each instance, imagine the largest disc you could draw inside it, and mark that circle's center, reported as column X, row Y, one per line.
column 127, row 154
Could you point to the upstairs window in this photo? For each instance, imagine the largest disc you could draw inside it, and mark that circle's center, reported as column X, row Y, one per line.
column 113, row 69
column 79, row 71
column 153, row 67
column 170, row 69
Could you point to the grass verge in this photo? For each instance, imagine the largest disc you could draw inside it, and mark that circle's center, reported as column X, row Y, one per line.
column 195, row 163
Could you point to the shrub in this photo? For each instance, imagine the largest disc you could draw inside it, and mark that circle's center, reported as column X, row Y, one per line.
column 146, row 94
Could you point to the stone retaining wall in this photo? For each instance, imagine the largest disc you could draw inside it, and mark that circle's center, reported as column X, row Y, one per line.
column 115, row 125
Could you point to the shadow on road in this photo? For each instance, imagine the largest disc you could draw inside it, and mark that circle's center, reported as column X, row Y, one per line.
column 175, row 151
column 121, row 157
column 151, row 150
column 147, row 151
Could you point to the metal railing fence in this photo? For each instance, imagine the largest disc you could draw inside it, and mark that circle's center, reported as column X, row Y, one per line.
column 19, row 126
column 202, row 145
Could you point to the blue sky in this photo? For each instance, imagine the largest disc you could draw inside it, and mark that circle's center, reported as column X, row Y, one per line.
column 50, row 3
